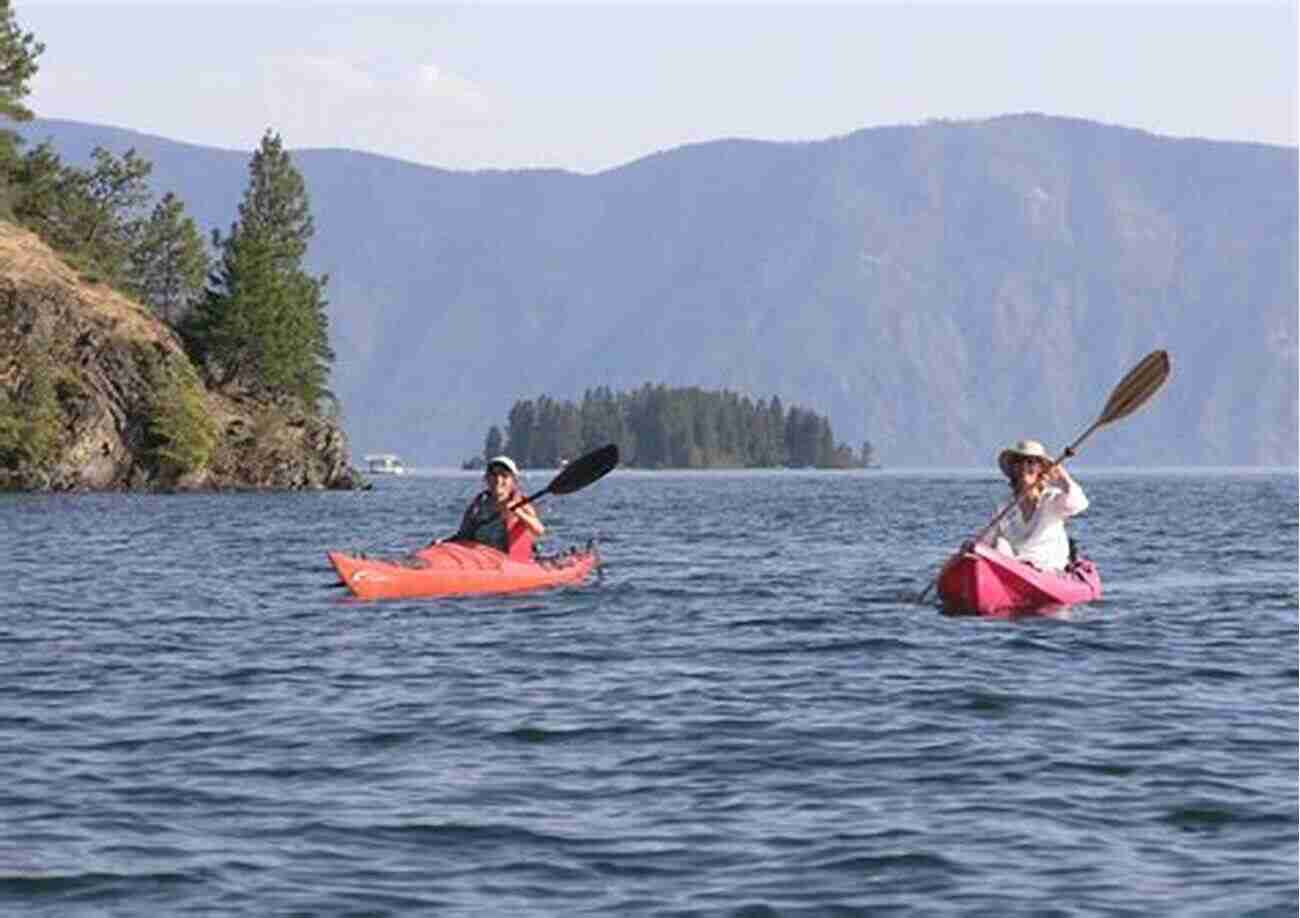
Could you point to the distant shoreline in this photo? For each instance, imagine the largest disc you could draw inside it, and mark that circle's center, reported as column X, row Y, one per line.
column 898, row 471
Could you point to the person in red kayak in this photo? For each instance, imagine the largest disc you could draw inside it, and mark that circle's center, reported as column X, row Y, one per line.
column 1045, row 496
column 496, row 517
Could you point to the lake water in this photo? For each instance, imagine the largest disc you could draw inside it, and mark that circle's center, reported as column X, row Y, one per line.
column 746, row 714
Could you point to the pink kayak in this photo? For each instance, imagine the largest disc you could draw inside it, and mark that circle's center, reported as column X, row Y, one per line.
column 986, row 582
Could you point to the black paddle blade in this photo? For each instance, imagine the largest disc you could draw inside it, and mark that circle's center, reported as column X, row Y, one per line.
column 584, row 470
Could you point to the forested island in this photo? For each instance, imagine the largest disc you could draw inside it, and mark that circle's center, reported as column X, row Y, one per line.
column 658, row 427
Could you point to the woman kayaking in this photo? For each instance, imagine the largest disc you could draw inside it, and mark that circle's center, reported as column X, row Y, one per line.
column 1045, row 496
column 497, row 518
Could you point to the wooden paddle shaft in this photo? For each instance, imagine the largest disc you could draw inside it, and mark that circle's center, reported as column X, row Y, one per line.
column 1130, row 394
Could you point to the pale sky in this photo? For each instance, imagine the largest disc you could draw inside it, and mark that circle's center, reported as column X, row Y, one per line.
column 587, row 87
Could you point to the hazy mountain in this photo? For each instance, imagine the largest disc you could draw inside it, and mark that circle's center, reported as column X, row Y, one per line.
column 940, row 289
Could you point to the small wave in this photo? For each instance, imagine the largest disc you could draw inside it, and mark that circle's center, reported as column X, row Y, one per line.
column 383, row 739
column 538, row 735
column 93, row 884
column 1212, row 817
column 904, row 862
column 1105, row 769
column 452, row 835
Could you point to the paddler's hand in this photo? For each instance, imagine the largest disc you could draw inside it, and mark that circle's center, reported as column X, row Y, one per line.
column 1059, row 475
column 522, row 510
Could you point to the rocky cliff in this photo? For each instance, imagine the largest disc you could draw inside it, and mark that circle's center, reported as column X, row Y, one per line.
column 91, row 391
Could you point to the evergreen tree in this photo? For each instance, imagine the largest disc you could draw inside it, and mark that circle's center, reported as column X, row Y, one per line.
column 519, row 432
column 544, row 450
column 774, row 444
column 95, row 216
column 18, row 53
column 602, row 420
column 262, row 322
column 38, row 180
column 568, row 436
column 116, row 193
column 682, row 451
column 492, row 445
column 734, row 413
column 648, row 419
column 30, row 422
column 182, row 432
column 825, row 450
column 169, row 261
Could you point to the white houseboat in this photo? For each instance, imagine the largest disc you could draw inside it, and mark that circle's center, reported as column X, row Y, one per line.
column 384, row 464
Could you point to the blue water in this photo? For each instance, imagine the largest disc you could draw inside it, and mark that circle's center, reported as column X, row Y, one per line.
column 746, row 714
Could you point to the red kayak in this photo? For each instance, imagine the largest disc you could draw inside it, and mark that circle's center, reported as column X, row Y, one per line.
column 458, row 569
column 986, row 582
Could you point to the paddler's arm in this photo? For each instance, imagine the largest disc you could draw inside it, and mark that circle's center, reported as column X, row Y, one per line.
column 1070, row 499
column 528, row 516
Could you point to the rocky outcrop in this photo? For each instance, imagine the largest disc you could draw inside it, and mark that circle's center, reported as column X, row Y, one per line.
column 102, row 360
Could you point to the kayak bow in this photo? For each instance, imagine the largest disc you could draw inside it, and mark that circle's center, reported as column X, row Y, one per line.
column 986, row 582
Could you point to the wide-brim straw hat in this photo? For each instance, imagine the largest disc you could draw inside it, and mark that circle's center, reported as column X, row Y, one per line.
column 506, row 463
column 1030, row 448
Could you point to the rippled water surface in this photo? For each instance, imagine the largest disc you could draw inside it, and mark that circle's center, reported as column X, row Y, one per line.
column 746, row 714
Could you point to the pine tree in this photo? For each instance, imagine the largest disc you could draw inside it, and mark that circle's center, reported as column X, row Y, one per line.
column 182, row 432
column 825, row 439
column 94, row 215
column 492, row 445
column 116, row 193
column 38, row 179
column 18, row 53
column 519, row 432
column 775, row 452
column 169, row 262
column 601, row 421
column 30, row 421
column 568, row 438
column 262, row 323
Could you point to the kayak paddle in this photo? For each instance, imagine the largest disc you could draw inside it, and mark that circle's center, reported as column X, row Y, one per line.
column 578, row 474
column 575, row 476
column 1132, row 392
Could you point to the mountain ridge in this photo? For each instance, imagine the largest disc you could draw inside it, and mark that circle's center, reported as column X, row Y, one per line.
column 938, row 289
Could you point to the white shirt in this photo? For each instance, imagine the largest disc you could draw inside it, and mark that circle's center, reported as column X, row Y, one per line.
column 1040, row 539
